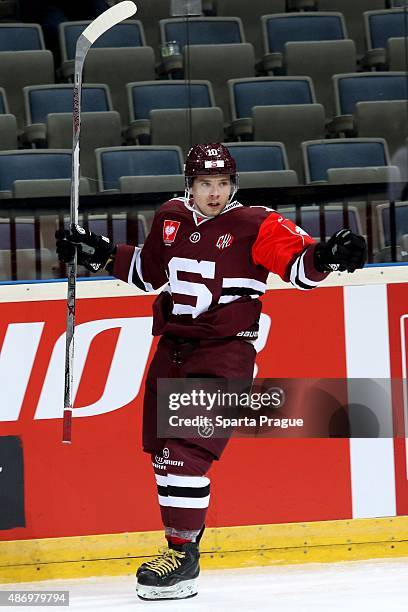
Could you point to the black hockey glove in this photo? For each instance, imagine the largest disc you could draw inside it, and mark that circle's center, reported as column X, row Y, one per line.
column 93, row 251
column 344, row 251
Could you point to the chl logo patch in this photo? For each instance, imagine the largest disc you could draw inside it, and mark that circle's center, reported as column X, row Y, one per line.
column 224, row 241
column 170, row 229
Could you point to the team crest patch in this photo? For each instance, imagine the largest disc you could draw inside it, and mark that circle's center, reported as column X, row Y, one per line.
column 224, row 241
column 170, row 229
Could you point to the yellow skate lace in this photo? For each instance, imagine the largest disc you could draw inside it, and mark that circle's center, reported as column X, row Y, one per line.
column 166, row 562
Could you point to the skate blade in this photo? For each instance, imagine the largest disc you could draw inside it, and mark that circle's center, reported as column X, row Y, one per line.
column 182, row 590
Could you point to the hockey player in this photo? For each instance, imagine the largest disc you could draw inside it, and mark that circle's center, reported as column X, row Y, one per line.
column 213, row 256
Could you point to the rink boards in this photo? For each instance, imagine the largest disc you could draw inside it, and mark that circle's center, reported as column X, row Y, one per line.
column 273, row 500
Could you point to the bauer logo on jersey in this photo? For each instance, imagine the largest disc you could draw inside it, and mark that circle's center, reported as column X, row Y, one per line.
column 224, row 241
column 170, row 229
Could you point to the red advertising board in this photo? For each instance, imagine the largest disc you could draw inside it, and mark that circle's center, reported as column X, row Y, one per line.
column 102, row 482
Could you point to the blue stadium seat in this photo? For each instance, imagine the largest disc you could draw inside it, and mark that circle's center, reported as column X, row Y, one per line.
column 320, row 155
column 33, row 164
column 262, row 164
column 21, row 37
column 281, row 28
column 265, row 91
column 144, row 96
column 202, row 31
column 127, row 34
column 258, row 156
column 351, row 88
column 40, row 100
column 379, row 27
column 115, row 162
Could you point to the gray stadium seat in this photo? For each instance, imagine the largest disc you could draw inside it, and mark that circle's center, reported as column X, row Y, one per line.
column 333, row 216
column 380, row 26
column 8, row 132
column 291, row 27
column 221, row 62
column 129, row 33
column 349, row 89
column 42, row 188
column 386, row 119
column 41, row 100
column 21, row 68
column 290, row 125
column 151, row 95
column 372, row 174
column 149, row 12
column 352, row 11
column 202, row 31
column 116, row 67
column 244, row 94
column 33, row 164
column 321, row 155
column 320, row 60
column 100, row 129
column 186, row 127
column 262, row 164
column 250, row 14
column 168, row 183
column 396, row 54
column 115, row 162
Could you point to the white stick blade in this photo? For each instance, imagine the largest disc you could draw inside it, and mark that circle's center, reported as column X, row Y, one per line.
column 108, row 19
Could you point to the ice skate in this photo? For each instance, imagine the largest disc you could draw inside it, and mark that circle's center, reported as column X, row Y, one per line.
column 171, row 575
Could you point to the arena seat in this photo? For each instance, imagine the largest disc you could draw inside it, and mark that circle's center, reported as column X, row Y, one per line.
column 352, row 12
column 380, row 26
column 21, row 68
column 250, row 13
column 114, row 162
column 126, row 34
column 21, row 37
column 98, row 129
column 290, row 124
column 349, row 89
column 245, row 93
column 146, row 96
column 291, row 27
column 262, row 164
column 222, row 62
column 185, row 127
column 33, row 164
column 41, row 100
column 320, row 60
column 116, row 68
column 320, row 155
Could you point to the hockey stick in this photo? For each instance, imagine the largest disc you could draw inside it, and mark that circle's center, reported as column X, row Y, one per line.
column 99, row 26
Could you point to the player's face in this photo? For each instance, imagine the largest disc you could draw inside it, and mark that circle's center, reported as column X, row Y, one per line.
column 211, row 193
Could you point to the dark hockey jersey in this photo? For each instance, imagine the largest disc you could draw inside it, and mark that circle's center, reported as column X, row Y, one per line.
column 215, row 269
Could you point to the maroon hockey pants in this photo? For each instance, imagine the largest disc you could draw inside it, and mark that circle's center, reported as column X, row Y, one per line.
column 181, row 465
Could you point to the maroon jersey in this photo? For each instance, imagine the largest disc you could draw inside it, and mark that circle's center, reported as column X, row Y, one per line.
column 214, row 269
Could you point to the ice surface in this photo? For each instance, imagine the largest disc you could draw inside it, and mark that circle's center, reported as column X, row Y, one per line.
column 355, row 586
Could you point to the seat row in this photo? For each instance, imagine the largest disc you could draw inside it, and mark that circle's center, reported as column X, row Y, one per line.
column 180, row 112
column 274, row 29
column 142, row 169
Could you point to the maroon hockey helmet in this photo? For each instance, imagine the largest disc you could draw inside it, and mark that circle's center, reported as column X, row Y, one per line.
column 213, row 158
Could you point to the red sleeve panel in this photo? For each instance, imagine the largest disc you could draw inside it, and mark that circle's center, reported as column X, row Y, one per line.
column 277, row 244
column 287, row 250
